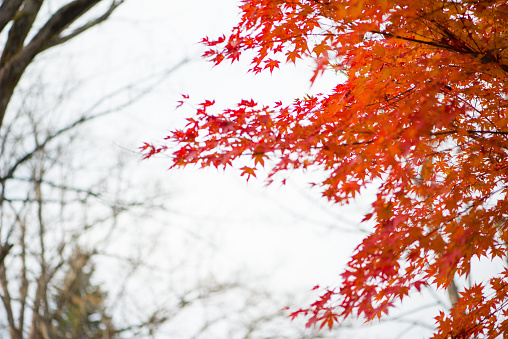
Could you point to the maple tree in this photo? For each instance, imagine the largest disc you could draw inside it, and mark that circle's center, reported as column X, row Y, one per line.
column 422, row 111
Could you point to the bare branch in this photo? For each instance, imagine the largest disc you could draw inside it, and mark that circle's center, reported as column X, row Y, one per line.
column 59, row 21
column 453, row 292
column 4, row 250
column 88, row 116
column 85, row 27
column 7, row 301
column 21, row 26
column 8, row 10
column 16, row 58
column 23, row 288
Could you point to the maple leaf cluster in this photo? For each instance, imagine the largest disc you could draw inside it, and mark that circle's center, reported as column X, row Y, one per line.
column 423, row 110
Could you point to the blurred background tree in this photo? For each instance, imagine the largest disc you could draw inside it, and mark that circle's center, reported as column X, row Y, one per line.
column 80, row 304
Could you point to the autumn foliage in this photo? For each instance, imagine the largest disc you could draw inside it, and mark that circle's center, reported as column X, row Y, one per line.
column 422, row 110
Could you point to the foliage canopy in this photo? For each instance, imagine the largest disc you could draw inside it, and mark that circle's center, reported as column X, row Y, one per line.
column 423, row 110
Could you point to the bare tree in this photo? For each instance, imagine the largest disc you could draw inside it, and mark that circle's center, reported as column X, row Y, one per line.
column 51, row 224
column 26, row 159
column 56, row 217
column 61, row 216
column 29, row 34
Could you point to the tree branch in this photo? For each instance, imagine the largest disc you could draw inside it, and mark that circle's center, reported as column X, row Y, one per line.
column 21, row 26
column 6, row 299
column 85, row 27
column 59, row 21
column 8, row 10
column 15, row 65
column 88, row 116
column 23, row 288
column 453, row 292
column 4, row 250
